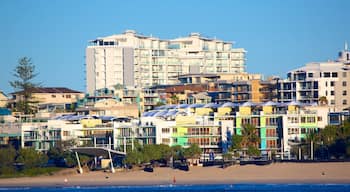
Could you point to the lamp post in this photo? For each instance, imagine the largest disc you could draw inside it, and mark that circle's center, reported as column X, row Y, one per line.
column 204, row 138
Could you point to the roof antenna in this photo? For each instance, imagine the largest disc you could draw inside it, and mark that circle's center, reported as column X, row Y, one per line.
column 346, row 46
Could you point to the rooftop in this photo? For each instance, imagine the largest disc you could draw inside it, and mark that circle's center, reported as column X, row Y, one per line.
column 50, row 90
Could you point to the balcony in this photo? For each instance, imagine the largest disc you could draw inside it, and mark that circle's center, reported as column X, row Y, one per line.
column 150, row 103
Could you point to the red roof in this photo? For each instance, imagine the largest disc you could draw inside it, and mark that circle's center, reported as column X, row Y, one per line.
column 50, row 90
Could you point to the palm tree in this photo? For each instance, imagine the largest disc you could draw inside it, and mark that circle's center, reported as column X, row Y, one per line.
column 311, row 139
column 249, row 140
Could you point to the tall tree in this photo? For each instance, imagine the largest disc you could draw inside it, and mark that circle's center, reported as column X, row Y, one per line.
column 249, row 140
column 24, row 72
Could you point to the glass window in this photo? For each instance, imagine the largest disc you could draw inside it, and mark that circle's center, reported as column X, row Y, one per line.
column 344, row 83
column 344, row 74
column 344, row 93
column 326, row 74
column 310, row 75
column 332, row 83
column 332, row 92
column 332, row 102
column 334, row 74
column 345, row 102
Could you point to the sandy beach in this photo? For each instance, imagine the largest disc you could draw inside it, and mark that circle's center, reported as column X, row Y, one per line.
column 274, row 173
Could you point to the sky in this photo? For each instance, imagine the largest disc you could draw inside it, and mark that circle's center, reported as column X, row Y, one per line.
column 279, row 35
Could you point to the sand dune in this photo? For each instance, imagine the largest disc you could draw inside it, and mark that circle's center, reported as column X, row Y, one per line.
column 274, row 173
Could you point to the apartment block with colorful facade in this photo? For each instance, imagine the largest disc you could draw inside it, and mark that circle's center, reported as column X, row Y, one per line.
column 211, row 126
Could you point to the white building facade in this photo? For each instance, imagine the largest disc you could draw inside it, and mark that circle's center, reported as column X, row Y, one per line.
column 134, row 60
column 319, row 79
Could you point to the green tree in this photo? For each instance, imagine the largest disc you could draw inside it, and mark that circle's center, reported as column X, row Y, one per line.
column 193, row 151
column 24, row 72
column 174, row 99
column 329, row 134
column 236, row 143
column 248, row 141
column 151, row 152
column 118, row 86
column 7, row 159
column 165, row 151
column 31, row 158
column 133, row 157
column 177, row 152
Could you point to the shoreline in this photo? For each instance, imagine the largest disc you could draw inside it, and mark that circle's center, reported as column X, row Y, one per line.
column 276, row 173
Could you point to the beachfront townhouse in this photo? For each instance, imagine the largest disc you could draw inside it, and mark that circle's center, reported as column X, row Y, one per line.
column 280, row 126
column 80, row 130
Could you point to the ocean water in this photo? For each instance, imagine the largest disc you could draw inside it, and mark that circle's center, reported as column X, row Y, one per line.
column 199, row 188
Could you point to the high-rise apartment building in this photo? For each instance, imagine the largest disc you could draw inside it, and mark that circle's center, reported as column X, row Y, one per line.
column 134, row 60
column 319, row 79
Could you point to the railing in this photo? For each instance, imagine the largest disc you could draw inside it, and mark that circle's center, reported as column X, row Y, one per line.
column 10, row 128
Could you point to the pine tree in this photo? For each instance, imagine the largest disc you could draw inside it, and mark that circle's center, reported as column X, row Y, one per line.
column 24, row 72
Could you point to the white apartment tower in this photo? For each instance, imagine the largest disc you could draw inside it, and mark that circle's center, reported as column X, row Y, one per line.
column 134, row 60
column 330, row 79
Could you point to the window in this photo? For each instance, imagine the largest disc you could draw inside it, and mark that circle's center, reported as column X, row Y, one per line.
column 334, row 74
column 326, row 83
column 53, row 96
column 319, row 118
column 303, row 130
column 332, row 92
column 66, row 133
column 311, row 119
column 332, row 83
column 332, row 102
column 292, row 120
column 292, row 131
column 344, row 74
column 310, row 75
column 326, row 74
column 165, row 130
column 68, row 96
column 344, row 93
column 345, row 102
column 344, row 83
column 165, row 140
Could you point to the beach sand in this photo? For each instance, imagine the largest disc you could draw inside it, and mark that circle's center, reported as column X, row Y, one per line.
column 274, row 173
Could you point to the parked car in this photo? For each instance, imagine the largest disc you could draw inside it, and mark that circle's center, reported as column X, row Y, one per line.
column 148, row 168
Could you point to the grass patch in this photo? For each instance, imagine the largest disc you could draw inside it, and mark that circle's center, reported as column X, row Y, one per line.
column 32, row 172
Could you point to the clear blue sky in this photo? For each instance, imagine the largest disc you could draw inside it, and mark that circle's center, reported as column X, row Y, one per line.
column 278, row 35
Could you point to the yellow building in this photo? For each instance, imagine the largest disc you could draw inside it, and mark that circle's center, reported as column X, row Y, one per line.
column 3, row 99
column 50, row 98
